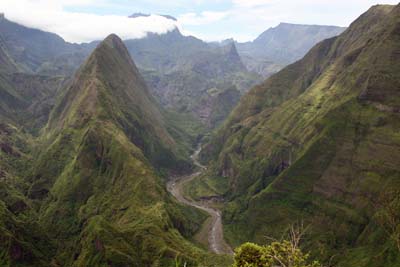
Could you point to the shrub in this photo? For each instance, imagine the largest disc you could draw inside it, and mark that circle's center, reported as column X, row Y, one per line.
column 277, row 254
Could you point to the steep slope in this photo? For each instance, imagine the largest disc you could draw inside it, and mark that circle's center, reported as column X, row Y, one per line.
column 318, row 142
column 99, row 196
column 26, row 99
column 214, row 107
column 41, row 52
column 9, row 97
column 106, row 96
column 182, row 86
column 284, row 44
column 19, row 230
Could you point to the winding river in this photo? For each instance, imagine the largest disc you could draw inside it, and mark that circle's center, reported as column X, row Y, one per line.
column 216, row 240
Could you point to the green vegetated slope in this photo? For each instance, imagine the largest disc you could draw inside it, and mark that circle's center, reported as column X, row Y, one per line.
column 88, row 190
column 26, row 99
column 319, row 142
column 187, row 84
column 20, row 234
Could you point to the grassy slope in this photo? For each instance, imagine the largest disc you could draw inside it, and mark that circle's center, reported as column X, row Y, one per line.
column 98, row 194
column 92, row 195
column 319, row 141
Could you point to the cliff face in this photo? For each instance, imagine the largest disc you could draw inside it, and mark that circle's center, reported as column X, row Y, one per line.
column 317, row 142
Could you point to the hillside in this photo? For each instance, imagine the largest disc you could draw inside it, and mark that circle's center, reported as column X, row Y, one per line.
column 26, row 99
column 89, row 187
column 318, row 142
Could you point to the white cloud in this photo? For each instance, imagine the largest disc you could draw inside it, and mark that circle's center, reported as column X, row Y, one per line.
column 246, row 19
column 251, row 3
column 49, row 15
column 207, row 19
column 202, row 18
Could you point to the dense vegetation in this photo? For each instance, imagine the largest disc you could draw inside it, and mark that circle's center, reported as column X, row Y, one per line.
column 88, row 191
column 319, row 141
column 84, row 159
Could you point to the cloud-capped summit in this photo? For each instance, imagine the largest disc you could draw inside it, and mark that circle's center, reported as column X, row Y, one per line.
column 139, row 14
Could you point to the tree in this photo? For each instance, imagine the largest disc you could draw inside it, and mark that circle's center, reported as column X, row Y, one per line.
column 286, row 253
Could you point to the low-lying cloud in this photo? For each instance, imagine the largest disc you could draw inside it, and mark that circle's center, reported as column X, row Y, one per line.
column 49, row 15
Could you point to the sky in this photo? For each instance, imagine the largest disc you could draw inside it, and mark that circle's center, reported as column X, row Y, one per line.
column 210, row 20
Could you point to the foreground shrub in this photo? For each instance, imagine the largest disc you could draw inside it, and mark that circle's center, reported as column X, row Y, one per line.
column 277, row 254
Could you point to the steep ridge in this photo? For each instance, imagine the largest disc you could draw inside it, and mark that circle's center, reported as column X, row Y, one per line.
column 94, row 178
column 109, row 87
column 318, row 142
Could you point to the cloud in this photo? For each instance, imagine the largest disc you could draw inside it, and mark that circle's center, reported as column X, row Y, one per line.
column 49, row 15
column 246, row 19
column 202, row 18
column 207, row 19
column 251, row 3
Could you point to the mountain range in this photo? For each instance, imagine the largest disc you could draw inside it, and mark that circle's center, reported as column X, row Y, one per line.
column 175, row 66
column 93, row 136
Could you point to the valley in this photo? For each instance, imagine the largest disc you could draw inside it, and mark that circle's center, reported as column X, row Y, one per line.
column 213, row 227
column 161, row 149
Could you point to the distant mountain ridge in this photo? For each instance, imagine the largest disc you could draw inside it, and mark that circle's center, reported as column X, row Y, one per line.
column 175, row 66
column 282, row 45
column 180, row 69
